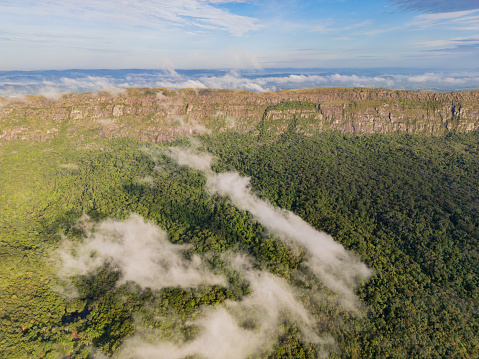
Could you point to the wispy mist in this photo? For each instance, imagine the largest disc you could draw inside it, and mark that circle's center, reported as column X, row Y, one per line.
column 238, row 329
column 191, row 158
column 234, row 329
column 340, row 270
column 141, row 251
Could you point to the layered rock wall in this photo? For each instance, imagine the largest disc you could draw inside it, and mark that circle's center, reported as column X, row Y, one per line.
column 164, row 114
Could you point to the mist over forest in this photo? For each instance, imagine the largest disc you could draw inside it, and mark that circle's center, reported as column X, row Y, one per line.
column 211, row 179
column 261, row 241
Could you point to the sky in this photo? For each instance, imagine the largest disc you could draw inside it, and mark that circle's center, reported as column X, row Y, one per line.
column 238, row 34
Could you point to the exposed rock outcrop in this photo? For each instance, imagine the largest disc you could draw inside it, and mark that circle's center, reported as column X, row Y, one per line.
column 164, row 114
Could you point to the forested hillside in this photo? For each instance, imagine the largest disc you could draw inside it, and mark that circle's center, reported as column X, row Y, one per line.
column 405, row 205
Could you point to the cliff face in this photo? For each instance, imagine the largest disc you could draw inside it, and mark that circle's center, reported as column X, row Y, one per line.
column 163, row 114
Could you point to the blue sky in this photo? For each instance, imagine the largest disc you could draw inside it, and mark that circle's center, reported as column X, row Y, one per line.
column 241, row 34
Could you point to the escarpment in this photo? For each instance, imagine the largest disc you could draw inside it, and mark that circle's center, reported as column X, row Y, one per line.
column 165, row 114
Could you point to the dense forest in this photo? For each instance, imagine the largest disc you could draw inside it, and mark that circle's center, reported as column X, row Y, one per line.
column 404, row 205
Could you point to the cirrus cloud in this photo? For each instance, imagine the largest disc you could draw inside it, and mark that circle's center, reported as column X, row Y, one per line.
column 149, row 13
column 436, row 6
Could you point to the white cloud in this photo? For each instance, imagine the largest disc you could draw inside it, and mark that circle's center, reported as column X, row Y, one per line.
column 235, row 81
column 25, row 83
column 457, row 20
column 191, row 158
column 433, row 77
column 324, row 26
column 142, row 253
column 339, row 269
column 223, row 334
column 199, row 13
column 444, row 16
column 451, row 42
column 436, row 6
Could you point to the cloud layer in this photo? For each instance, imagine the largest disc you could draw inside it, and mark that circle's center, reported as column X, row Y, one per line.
column 51, row 84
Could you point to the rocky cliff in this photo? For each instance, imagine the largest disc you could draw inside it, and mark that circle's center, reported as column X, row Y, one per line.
column 164, row 114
